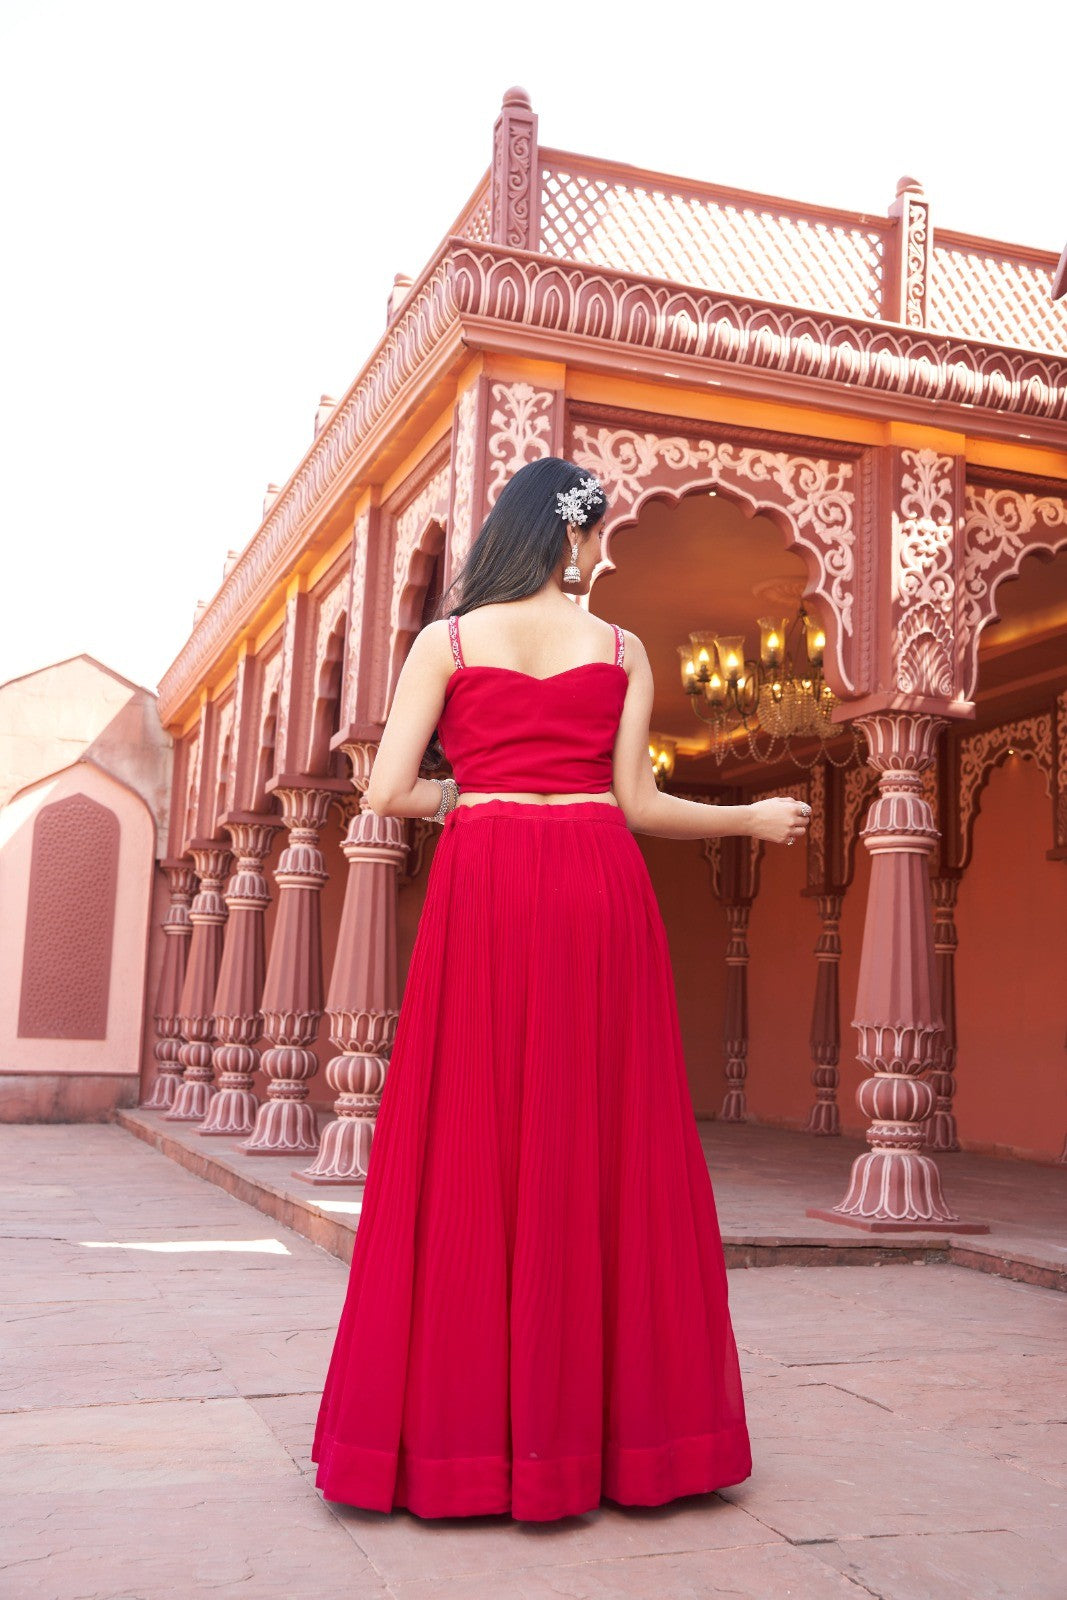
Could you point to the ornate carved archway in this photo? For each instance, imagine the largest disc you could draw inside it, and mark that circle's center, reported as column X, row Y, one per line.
column 1002, row 525
column 818, row 495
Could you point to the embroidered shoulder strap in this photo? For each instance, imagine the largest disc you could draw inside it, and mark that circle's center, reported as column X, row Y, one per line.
column 620, row 644
column 453, row 634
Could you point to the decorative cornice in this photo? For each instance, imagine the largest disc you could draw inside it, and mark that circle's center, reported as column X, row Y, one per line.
column 589, row 302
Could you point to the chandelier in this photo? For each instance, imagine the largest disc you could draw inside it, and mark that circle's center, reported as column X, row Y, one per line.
column 765, row 708
column 662, row 750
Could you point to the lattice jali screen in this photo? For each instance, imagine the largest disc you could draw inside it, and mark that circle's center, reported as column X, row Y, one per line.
column 985, row 295
column 475, row 224
column 711, row 243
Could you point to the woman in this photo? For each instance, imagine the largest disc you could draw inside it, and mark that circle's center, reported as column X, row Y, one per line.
column 537, row 1312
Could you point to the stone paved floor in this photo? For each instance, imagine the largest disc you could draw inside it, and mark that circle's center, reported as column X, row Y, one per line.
column 164, row 1346
column 765, row 1179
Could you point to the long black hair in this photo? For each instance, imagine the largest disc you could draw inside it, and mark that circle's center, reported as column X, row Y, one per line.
column 519, row 543
column 517, row 547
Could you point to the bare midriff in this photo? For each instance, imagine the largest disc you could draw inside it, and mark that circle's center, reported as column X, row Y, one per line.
column 606, row 798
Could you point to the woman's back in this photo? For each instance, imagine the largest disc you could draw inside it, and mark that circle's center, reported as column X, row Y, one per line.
column 535, row 636
column 535, row 728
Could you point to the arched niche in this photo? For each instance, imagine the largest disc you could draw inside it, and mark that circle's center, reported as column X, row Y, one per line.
column 77, row 859
column 419, row 565
column 326, row 709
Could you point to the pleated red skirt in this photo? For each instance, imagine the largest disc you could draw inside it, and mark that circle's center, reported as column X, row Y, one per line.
column 537, row 1313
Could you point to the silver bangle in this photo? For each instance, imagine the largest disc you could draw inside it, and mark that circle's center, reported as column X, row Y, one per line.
column 449, row 797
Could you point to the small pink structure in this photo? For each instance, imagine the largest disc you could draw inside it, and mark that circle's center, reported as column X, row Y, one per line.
column 86, row 774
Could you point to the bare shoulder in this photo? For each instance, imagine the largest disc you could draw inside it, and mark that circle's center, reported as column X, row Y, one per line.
column 431, row 647
column 434, row 634
column 635, row 653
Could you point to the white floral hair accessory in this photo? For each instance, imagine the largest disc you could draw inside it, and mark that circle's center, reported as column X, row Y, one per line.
column 573, row 504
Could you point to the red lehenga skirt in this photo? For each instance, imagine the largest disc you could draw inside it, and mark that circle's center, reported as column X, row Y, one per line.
column 537, row 1310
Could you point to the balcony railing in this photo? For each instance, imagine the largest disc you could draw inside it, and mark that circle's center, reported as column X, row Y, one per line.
column 713, row 239
column 606, row 214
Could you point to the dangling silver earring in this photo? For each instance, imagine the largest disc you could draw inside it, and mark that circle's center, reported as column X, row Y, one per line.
column 573, row 573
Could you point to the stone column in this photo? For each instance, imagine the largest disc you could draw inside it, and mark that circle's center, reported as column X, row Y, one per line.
column 364, row 999
column 292, row 992
column 208, row 917
column 177, row 930
column 826, row 1019
column 238, row 1019
column 735, row 1023
column 941, row 1129
column 895, row 1186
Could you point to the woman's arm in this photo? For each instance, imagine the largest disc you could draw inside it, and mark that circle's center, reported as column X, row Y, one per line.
column 395, row 788
column 667, row 816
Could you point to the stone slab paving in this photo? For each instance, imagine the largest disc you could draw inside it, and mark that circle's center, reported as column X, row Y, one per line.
column 765, row 1181
column 164, row 1346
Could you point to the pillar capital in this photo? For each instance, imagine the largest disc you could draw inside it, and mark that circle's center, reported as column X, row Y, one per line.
column 361, row 754
column 371, row 837
column 306, row 801
column 902, row 746
column 903, row 742
column 211, row 858
column 252, row 836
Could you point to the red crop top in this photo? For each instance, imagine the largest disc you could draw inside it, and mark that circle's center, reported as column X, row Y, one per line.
column 552, row 735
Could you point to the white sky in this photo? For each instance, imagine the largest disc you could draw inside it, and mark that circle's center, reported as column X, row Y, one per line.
column 205, row 205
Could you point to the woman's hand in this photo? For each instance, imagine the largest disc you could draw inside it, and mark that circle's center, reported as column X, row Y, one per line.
column 780, row 821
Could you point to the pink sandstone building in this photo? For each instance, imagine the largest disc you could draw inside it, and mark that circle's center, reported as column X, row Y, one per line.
column 790, row 407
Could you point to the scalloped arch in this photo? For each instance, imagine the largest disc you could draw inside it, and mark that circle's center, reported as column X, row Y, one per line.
column 810, row 499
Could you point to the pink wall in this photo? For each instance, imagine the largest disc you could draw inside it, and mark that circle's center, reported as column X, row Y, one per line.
column 1011, row 997
column 781, row 987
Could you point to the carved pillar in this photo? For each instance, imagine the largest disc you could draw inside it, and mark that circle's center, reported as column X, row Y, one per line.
column 238, row 1019
column 292, row 992
column 826, row 1019
column 208, row 917
column 364, row 999
column 177, row 930
column 735, row 1023
column 941, row 1129
column 894, row 1185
